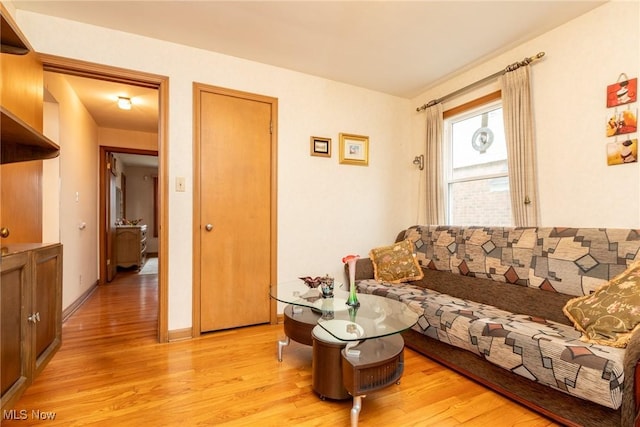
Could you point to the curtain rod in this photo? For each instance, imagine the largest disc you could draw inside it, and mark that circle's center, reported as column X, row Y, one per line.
column 512, row 67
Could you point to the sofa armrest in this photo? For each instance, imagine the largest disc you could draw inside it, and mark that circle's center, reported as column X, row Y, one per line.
column 631, row 392
column 364, row 270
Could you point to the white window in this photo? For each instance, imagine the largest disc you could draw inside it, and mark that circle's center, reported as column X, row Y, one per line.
column 476, row 172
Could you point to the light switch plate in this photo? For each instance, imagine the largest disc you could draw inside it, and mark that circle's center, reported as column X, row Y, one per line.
column 180, row 184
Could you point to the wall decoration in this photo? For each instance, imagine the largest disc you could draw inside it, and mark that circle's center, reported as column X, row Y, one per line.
column 622, row 122
column 619, row 153
column 622, row 92
column 354, row 149
column 320, row 147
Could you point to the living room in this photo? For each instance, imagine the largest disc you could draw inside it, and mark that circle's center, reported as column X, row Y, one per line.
column 579, row 59
column 576, row 186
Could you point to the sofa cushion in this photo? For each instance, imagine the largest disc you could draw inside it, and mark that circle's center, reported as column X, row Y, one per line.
column 571, row 261
column 538, row 349
column 395, row 263
column 611, row 314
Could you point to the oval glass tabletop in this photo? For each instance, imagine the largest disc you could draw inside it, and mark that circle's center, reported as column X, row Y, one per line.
column 375, row 317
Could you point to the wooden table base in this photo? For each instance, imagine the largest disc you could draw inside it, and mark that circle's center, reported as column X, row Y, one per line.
column 297, row 326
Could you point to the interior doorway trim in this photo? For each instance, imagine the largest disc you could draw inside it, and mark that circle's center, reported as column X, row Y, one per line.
column 161, row 83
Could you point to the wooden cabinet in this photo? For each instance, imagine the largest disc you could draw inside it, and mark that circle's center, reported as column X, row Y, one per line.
column 31, row 303
column 30, row 273
column 131, row 245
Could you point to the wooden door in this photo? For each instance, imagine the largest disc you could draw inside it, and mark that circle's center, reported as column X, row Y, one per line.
column 236, row 212
column 21, row 202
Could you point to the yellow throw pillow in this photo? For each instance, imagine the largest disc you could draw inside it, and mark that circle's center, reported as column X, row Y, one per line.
column 611, row 314
column 395, row 263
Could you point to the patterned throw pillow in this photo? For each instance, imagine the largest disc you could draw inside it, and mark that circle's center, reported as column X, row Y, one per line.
column 395, row 263
column 611, row 314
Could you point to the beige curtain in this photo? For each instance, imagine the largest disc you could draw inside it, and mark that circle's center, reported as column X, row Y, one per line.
column 433, row 167
column 518, row 125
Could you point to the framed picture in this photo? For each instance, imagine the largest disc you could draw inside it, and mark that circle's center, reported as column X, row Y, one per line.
column 320, row 147
column 621, row 122
column 619, row 153
column 622, row 92
column 354, row 149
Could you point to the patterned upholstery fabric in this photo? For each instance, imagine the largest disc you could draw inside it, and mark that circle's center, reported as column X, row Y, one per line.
column 540, row 350
column 568, row 261
column 573, row 261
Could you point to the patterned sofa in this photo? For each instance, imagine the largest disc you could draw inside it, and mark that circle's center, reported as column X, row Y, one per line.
column 491, row 304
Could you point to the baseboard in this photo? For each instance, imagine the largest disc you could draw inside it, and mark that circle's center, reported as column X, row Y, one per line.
column 67, row 312
column 180, row 334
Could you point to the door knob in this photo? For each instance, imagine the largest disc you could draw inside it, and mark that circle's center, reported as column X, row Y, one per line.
column 208, row 227
column 4, row 232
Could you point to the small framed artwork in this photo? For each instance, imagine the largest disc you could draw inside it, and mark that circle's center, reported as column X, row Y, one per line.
column 623, row 92
column 354, row 149
column 621, row 122
column 619, row 153
column 320, row 147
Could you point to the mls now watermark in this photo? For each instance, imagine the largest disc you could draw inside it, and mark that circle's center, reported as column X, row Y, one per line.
column 24, row 414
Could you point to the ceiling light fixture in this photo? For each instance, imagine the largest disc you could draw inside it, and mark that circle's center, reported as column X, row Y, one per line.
column 124, row 103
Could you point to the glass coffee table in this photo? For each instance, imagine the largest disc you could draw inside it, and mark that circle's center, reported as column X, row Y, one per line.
column 355, row 350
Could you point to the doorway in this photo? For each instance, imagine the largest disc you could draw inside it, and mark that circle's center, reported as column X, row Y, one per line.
column 130, row 210
column 160, row 83
column 234, row 208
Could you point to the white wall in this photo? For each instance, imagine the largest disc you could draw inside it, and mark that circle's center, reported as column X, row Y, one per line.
column 583, row 57
column 325, row 210
column 78, row 189
column 51, row 176
column 120, row 138
column 139, row 199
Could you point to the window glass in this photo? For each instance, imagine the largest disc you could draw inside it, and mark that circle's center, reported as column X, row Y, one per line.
column 477, row 173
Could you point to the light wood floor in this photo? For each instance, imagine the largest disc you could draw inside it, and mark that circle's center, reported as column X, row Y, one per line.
column 111, row 371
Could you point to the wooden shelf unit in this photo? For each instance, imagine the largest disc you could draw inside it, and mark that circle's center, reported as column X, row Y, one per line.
column 21, row 92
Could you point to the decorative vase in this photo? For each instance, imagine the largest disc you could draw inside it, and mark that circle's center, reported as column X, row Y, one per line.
column 353, row 310
column 350, row 260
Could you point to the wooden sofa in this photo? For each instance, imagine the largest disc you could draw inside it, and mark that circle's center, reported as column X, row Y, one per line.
column 527, row 274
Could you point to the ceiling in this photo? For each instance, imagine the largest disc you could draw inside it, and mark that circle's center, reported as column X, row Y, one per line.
column 100, row 98
column 396, row 47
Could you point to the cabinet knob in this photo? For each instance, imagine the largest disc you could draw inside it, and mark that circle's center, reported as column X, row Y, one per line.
column 35, row 317
column 4, row 232
column 208, row 227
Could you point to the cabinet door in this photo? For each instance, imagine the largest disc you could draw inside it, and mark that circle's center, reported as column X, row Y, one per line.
column 47, row 303
column 21, row 207
column 14, row 349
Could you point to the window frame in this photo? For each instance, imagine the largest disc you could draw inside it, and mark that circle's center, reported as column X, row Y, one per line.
column 461, row 112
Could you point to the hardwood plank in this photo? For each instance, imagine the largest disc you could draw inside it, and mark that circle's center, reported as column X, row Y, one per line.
column 111, row 371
